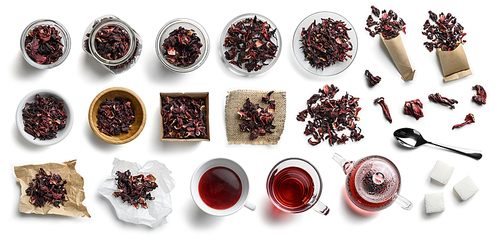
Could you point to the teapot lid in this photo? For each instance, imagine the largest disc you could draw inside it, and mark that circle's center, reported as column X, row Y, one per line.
column 377, row 179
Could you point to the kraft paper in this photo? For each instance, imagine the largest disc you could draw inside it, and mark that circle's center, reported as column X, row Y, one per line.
column 454, row 64
column 74, row 186
column 398, row 54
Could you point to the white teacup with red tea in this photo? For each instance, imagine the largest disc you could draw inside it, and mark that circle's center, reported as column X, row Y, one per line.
column 220, row 187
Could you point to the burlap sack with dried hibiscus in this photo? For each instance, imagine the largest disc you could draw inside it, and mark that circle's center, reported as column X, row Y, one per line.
column 234, row 102
column 397, row 50
column 454, row 64
column 75, row 194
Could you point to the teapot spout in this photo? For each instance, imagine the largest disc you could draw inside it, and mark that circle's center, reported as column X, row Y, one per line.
column 345, row 164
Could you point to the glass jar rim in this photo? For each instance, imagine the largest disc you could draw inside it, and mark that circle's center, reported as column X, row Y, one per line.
column 65, row 38
column 124, row 26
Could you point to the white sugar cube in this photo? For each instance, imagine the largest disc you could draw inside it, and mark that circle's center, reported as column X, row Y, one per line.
column 434, row 202
column 466, row 188
column 441, row 172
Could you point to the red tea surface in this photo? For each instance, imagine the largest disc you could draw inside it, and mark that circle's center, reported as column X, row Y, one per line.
column 220, row 188
column 293, row 187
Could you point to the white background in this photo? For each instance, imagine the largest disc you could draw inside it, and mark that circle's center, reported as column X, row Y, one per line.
column 80, row 79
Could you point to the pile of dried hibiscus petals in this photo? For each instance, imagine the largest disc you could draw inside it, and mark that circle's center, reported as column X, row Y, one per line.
column 135, row 189
column 46, row 188
column 184, row 117
column 257, row 120
column 44, row 117
column 330, row 117
column 115, row 117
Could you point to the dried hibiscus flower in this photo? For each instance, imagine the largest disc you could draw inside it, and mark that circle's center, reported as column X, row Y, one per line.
column 257, row 120
column 414, row 108
column 388, row 25
column 115, row 117
column 43, row 44
column 469, row 118
column 46, row 188
column 326, row 43
column 446, row 33
column 184, row 117
column 44, row 117
column 480, row 97
column 182, row 47
column 443, row 100
column 135, row 190
column 330, row 117
column 373, row 80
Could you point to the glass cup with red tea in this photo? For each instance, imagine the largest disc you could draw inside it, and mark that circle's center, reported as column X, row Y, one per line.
column 220, row 187
column 294, row 186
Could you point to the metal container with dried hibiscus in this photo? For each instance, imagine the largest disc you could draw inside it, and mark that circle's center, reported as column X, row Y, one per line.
column 112, row 43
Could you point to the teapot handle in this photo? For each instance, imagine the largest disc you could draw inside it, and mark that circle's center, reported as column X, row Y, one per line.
column 346, row 165
column 403, row 202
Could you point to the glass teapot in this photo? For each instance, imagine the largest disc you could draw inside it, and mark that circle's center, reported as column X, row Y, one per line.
column 372, row 183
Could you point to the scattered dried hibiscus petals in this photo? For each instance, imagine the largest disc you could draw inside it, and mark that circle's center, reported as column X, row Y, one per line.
column 330, row 117
column 469, row 118
column 44, row 117
column 414, row 108
column 182, row 47
column 387, row 25
column 437, row 98
column 480, row 97
column 373, row 80
column 446, row 34
column 115, row 117
column 251, row 45
column 326, row 43
column 135, row 189
column 183, row 117
column 257, row 120
column 43, row 44
column 46, row 188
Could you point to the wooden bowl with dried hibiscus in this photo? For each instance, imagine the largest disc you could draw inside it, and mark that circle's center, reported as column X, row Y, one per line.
column 117, row 115
column 44, row 117
column 184, row 116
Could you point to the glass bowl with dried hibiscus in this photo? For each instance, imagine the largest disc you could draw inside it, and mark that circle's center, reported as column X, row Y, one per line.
column 45, row 44
column 250, row 44
column 44, row 117
column 325, row 43
column 182, row 45
column 117, row 115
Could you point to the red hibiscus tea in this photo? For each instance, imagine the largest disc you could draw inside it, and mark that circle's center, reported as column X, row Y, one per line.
column 292, row 188
column 220, row 188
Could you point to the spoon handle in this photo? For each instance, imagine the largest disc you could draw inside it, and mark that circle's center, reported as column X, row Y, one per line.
column 474, row 155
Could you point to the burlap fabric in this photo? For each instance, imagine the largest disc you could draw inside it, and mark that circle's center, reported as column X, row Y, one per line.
column 234, row 102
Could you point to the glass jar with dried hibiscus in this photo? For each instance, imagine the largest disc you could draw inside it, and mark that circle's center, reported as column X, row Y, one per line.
column 45, row 44
column 112, row 43
column 182, row 45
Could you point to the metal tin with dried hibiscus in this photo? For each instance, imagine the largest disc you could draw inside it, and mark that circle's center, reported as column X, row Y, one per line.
column 250, row 44
column 45, row 44
column 112, row 43
column 185, row 116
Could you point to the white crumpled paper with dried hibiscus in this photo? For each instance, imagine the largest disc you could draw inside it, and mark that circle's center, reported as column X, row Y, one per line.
column 158, row 209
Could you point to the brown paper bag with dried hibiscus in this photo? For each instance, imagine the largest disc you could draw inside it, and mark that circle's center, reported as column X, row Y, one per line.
column 74, row 187
column 397, row 50
column 446, row 35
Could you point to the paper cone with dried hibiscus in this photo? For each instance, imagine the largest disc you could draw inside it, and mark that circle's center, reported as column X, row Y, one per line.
column 388, row 25
column 445, row 35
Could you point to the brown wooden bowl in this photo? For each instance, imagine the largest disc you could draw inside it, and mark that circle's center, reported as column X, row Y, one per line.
column 137, row 105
